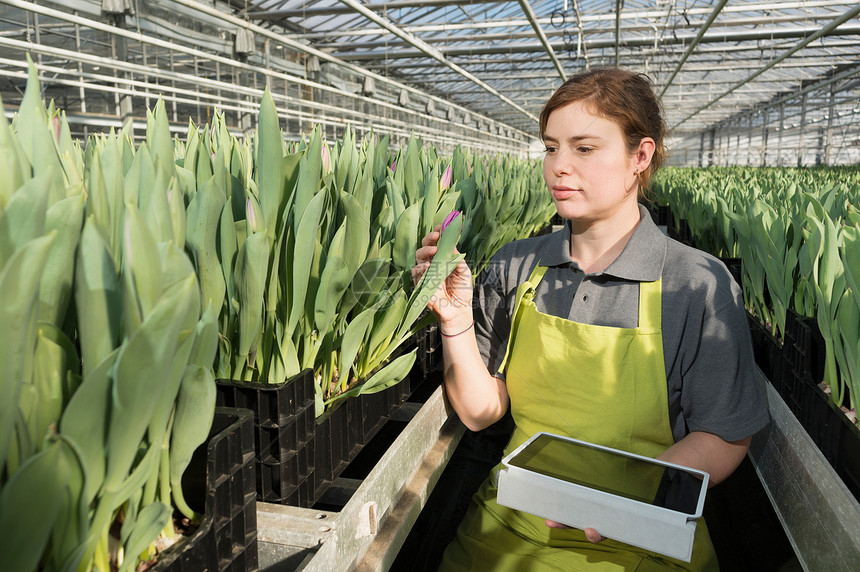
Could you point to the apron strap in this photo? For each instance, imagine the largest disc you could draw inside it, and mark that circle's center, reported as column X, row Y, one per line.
column 650, row 301
column 527, row 288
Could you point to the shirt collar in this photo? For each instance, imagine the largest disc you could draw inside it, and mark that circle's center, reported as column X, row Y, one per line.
column 641, row 260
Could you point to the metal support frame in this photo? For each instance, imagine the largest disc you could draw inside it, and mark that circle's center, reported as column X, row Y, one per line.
column 434, row 53
column 850, row 14
column 711, row 135
column 781, row 129
column 609, row 43
column 581, row 42
column 312, row 11
column 203, row 10
column 238, row 101
column 817, row 111
column 618, row 5
column 738, row 142
column 717, row 9
column 441, row 133
column 530, row 14
column 802, row 130
column 828, row 142
column 749, row 141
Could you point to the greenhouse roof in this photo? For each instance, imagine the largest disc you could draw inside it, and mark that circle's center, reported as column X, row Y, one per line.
column 709, row 59
column 782, row 75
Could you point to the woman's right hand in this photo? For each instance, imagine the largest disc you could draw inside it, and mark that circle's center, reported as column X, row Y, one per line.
column 452, row 302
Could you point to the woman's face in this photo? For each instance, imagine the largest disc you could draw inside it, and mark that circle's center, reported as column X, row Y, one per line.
column 587, row 167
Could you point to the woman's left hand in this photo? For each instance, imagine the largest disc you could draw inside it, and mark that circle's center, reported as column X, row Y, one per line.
column 590, row 534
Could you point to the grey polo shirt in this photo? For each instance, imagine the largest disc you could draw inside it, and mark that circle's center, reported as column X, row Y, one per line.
column 713, row 382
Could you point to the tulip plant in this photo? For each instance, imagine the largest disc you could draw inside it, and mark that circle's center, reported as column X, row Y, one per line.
column 798, row 234
column 107, row 357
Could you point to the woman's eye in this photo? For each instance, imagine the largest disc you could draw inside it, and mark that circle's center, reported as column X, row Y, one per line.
column 549, row 150
column 585, row 150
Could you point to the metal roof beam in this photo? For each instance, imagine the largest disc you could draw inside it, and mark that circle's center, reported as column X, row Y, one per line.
column 532, row 18
column 743, row 20
column 378, row 7
column 852, row 13
column 434, row 53
column 206, row 10
column 783, row 98
column 717, row 9
column 718, row 37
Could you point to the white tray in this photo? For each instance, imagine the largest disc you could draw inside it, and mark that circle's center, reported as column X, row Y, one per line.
column 561, row 478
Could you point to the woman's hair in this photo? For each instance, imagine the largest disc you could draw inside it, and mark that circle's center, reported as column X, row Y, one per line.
column 626, row 98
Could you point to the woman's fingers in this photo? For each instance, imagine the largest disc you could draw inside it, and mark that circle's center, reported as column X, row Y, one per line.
column 418, row 271
column 425, row 253
column 591, row 534
column 430, row 239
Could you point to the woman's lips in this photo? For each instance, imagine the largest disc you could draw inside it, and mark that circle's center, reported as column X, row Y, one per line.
column 560, row 193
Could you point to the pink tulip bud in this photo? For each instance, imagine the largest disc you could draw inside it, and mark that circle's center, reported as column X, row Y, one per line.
column 251, row 215
column 449, row 219
column 393, row 166
column 326, row 159
column 468, row 167
column 57, row 128
column 446, row 178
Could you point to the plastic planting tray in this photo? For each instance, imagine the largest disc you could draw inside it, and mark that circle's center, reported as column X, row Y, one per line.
column 283, row 421
column 220, row 481
column 298, row 456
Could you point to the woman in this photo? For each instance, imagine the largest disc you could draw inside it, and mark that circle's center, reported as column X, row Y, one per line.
column 606, row 331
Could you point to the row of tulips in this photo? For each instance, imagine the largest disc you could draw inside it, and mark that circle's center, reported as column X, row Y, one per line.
column 107, row 350
column 322, row 278
column 797, row 233
column 131, row 278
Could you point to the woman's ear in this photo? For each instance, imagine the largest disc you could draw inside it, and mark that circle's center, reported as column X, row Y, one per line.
column 643, row 154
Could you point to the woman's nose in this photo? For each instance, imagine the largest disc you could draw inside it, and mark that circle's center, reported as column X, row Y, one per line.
column 562, row 164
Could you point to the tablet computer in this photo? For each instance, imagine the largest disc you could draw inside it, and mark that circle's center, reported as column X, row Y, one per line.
column 642, row 501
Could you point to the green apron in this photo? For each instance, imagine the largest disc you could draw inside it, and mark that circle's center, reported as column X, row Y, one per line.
column 596, row 383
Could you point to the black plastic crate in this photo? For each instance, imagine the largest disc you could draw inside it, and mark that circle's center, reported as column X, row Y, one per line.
column 298, row 456
column 273, row 405
column 766, row 348
column 274, row 444
column 278, row 481
column 221, row 479
column 735, row 269
column 848, row 459
column 283, row 422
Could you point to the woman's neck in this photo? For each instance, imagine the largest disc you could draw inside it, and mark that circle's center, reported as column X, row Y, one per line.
column 594, row 245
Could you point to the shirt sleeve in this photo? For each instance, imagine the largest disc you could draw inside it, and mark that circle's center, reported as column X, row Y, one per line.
column 722, row 391
column 492, row 314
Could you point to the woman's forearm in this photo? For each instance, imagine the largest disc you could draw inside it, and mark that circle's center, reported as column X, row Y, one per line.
column 478, row 398
column 709, row 453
